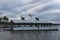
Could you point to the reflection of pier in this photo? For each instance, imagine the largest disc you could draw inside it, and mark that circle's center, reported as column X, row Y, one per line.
column 33, row 26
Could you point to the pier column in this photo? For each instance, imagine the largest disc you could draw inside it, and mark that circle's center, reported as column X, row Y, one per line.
column 41, row 25
column 18, row 25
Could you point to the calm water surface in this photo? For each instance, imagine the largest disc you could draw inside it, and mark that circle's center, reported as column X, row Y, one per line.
column 43, row 35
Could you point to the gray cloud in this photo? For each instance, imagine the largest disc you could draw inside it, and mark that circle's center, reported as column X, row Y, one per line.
column 48, row 10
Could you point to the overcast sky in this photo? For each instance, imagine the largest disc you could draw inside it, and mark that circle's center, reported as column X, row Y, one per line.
column 46, row 10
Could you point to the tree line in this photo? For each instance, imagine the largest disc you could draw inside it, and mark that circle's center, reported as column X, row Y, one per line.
column 5, row 19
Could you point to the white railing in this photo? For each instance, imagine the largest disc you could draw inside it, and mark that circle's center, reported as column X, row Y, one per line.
column 35, row 28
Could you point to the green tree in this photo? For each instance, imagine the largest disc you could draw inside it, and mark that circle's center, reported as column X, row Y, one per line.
column 11, row 22
column 5, row 19
column 0, row 19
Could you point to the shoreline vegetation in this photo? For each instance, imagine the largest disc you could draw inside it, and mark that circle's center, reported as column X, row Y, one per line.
column 4, row 21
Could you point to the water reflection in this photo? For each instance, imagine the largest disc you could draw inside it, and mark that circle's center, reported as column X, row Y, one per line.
column 34, row 35
column 30, row 35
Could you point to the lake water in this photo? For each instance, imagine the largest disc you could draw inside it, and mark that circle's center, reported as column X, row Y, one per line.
column 30, row 35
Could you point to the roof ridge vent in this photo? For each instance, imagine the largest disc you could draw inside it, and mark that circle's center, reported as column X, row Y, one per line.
column 37, row 18
column 22, row 18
